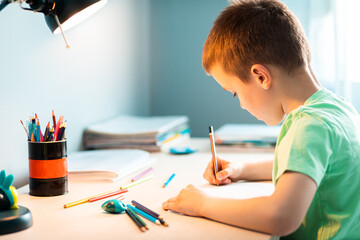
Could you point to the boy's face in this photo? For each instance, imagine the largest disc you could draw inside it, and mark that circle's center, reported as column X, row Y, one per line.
column 261, row 103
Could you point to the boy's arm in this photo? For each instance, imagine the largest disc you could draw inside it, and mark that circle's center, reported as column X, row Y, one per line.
column 279, row 214
column 257, row 171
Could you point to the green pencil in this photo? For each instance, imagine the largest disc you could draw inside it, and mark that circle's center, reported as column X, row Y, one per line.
column 137, row 182
column 138, row 218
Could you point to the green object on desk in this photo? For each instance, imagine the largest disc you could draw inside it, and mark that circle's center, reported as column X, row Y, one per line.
column 13, row 218
column 114, row 206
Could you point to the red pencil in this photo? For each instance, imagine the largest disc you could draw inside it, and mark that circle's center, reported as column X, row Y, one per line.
column 61, row 119
column 107, row 195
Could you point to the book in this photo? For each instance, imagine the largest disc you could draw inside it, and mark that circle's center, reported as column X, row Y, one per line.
column 139, row 126
column 108, row 165
column 134, row 132
column 245, row 148
column 246, row 138
column 252, row 133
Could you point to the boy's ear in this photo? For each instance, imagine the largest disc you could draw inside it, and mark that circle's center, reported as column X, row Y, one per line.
column 262, row 75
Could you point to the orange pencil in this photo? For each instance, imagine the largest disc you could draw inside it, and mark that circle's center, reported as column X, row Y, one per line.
column 32, row 137
column 27, row 134
column 54, row 118
column 213, row 151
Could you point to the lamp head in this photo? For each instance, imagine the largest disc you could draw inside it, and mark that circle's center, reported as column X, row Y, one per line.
column 71, row 13
column 61, row 15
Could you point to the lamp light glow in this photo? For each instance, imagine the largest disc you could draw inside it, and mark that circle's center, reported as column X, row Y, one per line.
column 80, row 16
column 60, row 15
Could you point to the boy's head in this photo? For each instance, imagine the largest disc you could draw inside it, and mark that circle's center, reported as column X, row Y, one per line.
column 255, row 32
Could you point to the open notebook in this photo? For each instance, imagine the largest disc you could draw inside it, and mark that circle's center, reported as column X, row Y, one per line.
column 108, row 165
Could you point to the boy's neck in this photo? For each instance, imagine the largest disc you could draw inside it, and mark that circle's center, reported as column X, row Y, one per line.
column 297, row 88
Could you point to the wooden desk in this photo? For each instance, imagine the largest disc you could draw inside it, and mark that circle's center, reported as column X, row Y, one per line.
column 89, row 221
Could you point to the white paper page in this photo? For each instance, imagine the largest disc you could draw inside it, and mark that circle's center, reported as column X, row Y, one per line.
column 128, row 125
column 114, row 164
column 240, row 190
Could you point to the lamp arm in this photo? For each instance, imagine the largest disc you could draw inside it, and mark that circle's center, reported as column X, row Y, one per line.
column 4, row 4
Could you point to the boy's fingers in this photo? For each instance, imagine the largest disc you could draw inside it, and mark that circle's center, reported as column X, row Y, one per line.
column 168, row 205
column 225, row 181
column 209, row 173
column 223, row 174
column 210, row 178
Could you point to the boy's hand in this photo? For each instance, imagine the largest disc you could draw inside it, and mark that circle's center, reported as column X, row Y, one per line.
column 227, row 172
column 189, row 201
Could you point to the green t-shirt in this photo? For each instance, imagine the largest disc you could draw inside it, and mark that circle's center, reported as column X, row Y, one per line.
column 322, row 140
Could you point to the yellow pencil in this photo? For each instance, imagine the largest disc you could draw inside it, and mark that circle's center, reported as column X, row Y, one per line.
column 84, row 200
column 141, row 180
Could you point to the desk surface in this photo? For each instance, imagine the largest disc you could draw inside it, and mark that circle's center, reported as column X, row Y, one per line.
column 89, row 221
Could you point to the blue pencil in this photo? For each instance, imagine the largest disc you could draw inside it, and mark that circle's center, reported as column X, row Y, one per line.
column 38, row 132
column 171, row 177
column 145, row 215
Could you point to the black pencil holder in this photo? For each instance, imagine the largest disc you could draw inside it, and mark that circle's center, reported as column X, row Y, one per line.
column 48, row 175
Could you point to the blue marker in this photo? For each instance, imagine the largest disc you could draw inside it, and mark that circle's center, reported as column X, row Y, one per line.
column 171, row 177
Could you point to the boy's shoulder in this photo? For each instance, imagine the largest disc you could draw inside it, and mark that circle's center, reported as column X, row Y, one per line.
column 327, row 108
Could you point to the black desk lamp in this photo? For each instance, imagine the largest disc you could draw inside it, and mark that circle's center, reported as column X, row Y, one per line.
column 60, row 15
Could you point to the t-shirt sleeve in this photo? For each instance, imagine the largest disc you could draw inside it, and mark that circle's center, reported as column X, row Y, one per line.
column 306, row 148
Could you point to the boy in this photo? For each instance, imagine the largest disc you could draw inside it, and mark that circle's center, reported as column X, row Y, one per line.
column 258, row 51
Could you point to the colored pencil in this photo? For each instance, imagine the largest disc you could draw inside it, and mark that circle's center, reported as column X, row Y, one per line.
column 213, row 151
column 137, row 182
column 139, row 219
column 145, row 209
column 38, row 132
column 84, row 200
column 61, row 128
column 93, row 199
column 61, row 133
column 51, row 134
column 27, row 134
column 54, row 118
column 150, row 212
column 46, row 133
column 142, row 228
column 58, row 127
column 141, row 174
column 41, row 136
column 168, row 181
column 144, row 214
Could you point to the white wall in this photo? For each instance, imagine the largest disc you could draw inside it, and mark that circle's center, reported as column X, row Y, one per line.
column 104, row 73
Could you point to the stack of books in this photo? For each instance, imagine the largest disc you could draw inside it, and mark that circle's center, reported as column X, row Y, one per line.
column 133, row 132
column 246, row 138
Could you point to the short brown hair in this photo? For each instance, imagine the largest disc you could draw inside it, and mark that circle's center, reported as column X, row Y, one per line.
column 255, row 32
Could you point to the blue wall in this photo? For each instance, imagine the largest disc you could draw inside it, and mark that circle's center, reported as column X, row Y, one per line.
column 179, row 84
